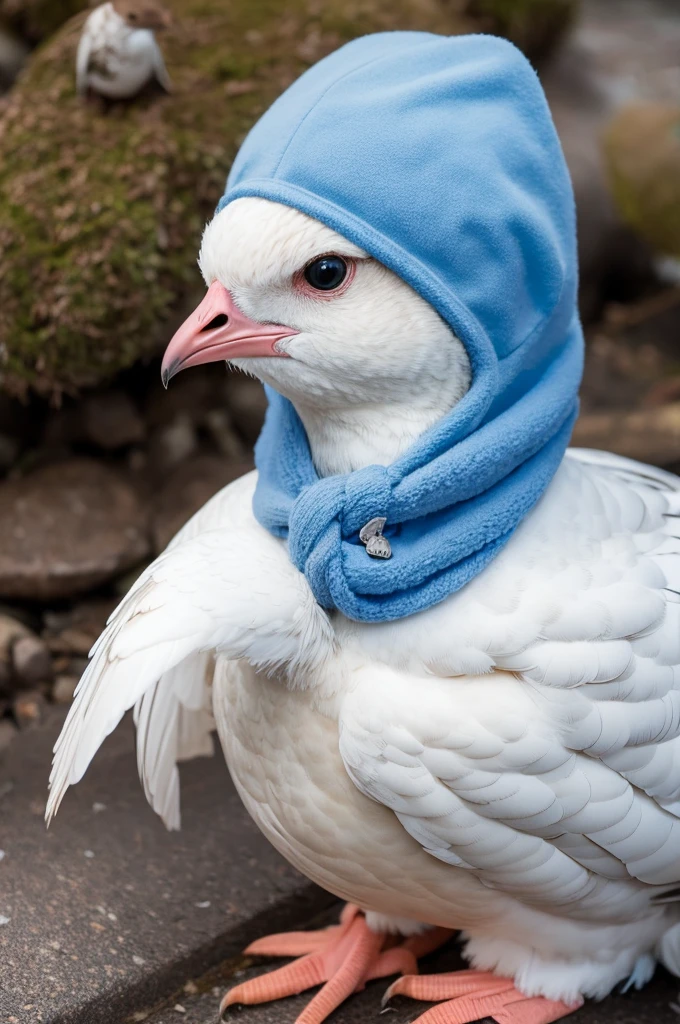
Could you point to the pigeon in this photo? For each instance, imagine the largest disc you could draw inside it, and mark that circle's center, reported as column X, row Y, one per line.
column 118, row 53
column 475, row 726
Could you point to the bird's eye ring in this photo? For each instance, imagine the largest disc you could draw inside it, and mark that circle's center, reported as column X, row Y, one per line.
column 326, row 273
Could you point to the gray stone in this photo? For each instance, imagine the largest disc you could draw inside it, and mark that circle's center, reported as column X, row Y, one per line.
column 111, row 420
column 63, row 689
column 109, row 913
column 29, row 709
column 186, row 490
column 66, row 528
column 31, row 660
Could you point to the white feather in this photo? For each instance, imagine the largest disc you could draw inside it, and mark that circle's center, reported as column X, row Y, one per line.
column 194, row 598
column 508, row 761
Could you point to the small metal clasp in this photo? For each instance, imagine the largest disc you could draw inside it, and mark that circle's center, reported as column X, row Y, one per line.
column 371, row 535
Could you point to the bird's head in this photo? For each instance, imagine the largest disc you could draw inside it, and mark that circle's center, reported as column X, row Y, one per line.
column 147, row 14
column 305, row 310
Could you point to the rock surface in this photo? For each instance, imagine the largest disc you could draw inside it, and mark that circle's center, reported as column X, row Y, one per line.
column 649, row 435
column 31, row 660
column 643, row 154
column 67, row 528
column 186, row 490
column 111, row 420
column 618, row 54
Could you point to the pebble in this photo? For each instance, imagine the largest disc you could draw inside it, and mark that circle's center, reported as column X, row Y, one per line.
column 64, row 688
column 31, row 659
column 28, row 708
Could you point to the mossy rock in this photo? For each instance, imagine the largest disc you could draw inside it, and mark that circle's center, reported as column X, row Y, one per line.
column 35, row 20
column 101, row 210
column 535, row 26
column 642, row 147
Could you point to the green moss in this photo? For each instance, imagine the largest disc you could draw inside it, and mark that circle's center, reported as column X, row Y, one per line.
column 642, row 149
column 101, row 209
column 533, row 25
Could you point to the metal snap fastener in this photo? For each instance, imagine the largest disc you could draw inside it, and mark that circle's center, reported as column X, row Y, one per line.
column 371, row 535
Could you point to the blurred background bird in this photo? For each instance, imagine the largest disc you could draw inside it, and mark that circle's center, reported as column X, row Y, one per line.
column 118, row 53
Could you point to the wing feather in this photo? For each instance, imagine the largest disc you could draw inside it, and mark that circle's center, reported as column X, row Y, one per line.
column 157, row 651
column 548, row 762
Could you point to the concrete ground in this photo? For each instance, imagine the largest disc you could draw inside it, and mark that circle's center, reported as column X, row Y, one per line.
column 108, row 918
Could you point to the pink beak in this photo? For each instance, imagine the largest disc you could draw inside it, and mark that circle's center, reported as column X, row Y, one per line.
column 218, row 330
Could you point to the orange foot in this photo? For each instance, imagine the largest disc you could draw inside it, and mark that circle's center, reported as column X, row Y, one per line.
column 343, row 957
column 473, row 995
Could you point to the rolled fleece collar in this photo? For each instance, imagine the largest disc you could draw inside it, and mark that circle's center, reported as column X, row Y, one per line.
column 438, row 156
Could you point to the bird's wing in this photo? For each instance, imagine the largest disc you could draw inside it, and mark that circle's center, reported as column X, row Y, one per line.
column 228, row 588
column 173, row 716
column 160, row 70
column 535, row 737
column 83, row 54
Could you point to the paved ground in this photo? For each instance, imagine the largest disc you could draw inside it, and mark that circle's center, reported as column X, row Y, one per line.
column 109, row 919
column 108, row 912
column 653, row 1006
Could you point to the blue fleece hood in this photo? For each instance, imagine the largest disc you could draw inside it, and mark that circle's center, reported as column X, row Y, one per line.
column 438, row 156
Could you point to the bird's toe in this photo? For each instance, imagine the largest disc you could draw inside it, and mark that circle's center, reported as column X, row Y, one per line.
column 467, row 996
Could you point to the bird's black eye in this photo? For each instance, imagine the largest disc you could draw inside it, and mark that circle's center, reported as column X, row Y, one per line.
column 326, row 273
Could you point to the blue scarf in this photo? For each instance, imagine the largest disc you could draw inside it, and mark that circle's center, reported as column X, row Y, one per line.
column 437, row 156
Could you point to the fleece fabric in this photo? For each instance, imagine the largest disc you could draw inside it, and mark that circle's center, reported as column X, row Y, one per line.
column 438, row 156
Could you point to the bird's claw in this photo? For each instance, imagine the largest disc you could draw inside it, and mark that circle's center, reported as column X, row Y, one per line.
column 341, row 958
column 467, row 996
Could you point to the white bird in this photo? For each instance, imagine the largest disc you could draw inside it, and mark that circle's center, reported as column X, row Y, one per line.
column 506, row 763
column 117, row 51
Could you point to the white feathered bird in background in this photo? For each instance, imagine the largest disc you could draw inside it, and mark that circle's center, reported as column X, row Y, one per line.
column 118, row 53
column 506, row 763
